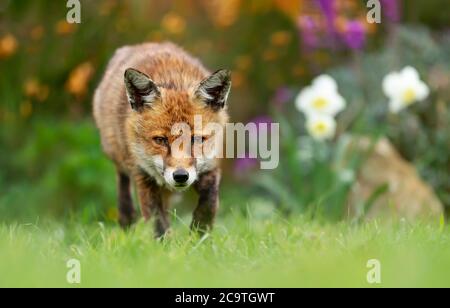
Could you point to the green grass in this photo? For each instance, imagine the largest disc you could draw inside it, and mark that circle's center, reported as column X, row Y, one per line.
column 241, row 252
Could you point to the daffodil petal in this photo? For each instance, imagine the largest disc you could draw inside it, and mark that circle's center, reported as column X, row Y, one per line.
column 395, row 106
column 325, row 83
column 303, row 98
column 390, row 84
column 422, row 91
column 340, row 103
column 409, row 74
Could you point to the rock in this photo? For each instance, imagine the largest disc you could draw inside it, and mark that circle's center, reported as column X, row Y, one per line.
column 389, row 186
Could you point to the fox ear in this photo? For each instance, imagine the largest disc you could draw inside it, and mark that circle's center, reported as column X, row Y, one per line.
column 214, row 89
column 141, row 90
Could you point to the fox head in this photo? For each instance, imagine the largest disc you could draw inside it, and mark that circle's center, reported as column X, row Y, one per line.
column 162, row 129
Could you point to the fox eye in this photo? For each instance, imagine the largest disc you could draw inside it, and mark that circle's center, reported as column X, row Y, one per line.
column 161, row 140
column 198, row 139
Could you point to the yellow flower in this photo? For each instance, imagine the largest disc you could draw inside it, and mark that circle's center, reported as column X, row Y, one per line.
column 79, row 78
column 31, row 87
column 238, row 79
column 34, row 89
column 269, row 55
column 223, row 13
column 8, row 46
column 280, row 38
column 289, row 7
column 173, row 23
column 64, row 28
column 37, row 33
column 243, row 62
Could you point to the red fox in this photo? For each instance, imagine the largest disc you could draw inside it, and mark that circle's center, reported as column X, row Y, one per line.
column 146, row 90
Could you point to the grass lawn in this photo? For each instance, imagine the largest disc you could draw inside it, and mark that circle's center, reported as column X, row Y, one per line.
column 241, row 252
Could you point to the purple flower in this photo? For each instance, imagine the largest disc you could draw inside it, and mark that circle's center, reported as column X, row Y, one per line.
column 391, row 10
column 328, row 9
column 243, row 165
column 282, row 96
column 263, row 119
column 355, row 35
column 308, row 32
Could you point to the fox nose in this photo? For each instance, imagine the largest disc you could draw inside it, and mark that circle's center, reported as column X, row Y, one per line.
column 181, row 176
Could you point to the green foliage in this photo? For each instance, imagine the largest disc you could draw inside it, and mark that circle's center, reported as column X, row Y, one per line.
column 313, row 177
column 426, row 12
column 43, row 175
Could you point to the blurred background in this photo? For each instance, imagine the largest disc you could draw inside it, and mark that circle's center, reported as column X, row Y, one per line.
column 377, row 163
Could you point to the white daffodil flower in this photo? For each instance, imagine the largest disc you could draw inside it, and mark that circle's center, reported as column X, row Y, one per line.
column 321, row 97
column 321, row 126
column 404, row 88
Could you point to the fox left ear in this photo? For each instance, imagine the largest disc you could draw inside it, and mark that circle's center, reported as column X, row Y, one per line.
column 141, row 90
column 214, row 89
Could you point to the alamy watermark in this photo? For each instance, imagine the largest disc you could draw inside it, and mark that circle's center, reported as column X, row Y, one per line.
column 374, row 13
column 74, row 271
column 374, row 273
column 233, row 140
column 74, row 13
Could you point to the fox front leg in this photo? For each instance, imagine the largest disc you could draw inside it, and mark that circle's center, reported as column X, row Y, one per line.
column 153, row 204
column 207, row 187
column 127, row 213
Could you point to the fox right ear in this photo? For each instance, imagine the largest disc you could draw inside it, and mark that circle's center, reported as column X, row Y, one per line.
column 214, row 89
column 141, row 90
